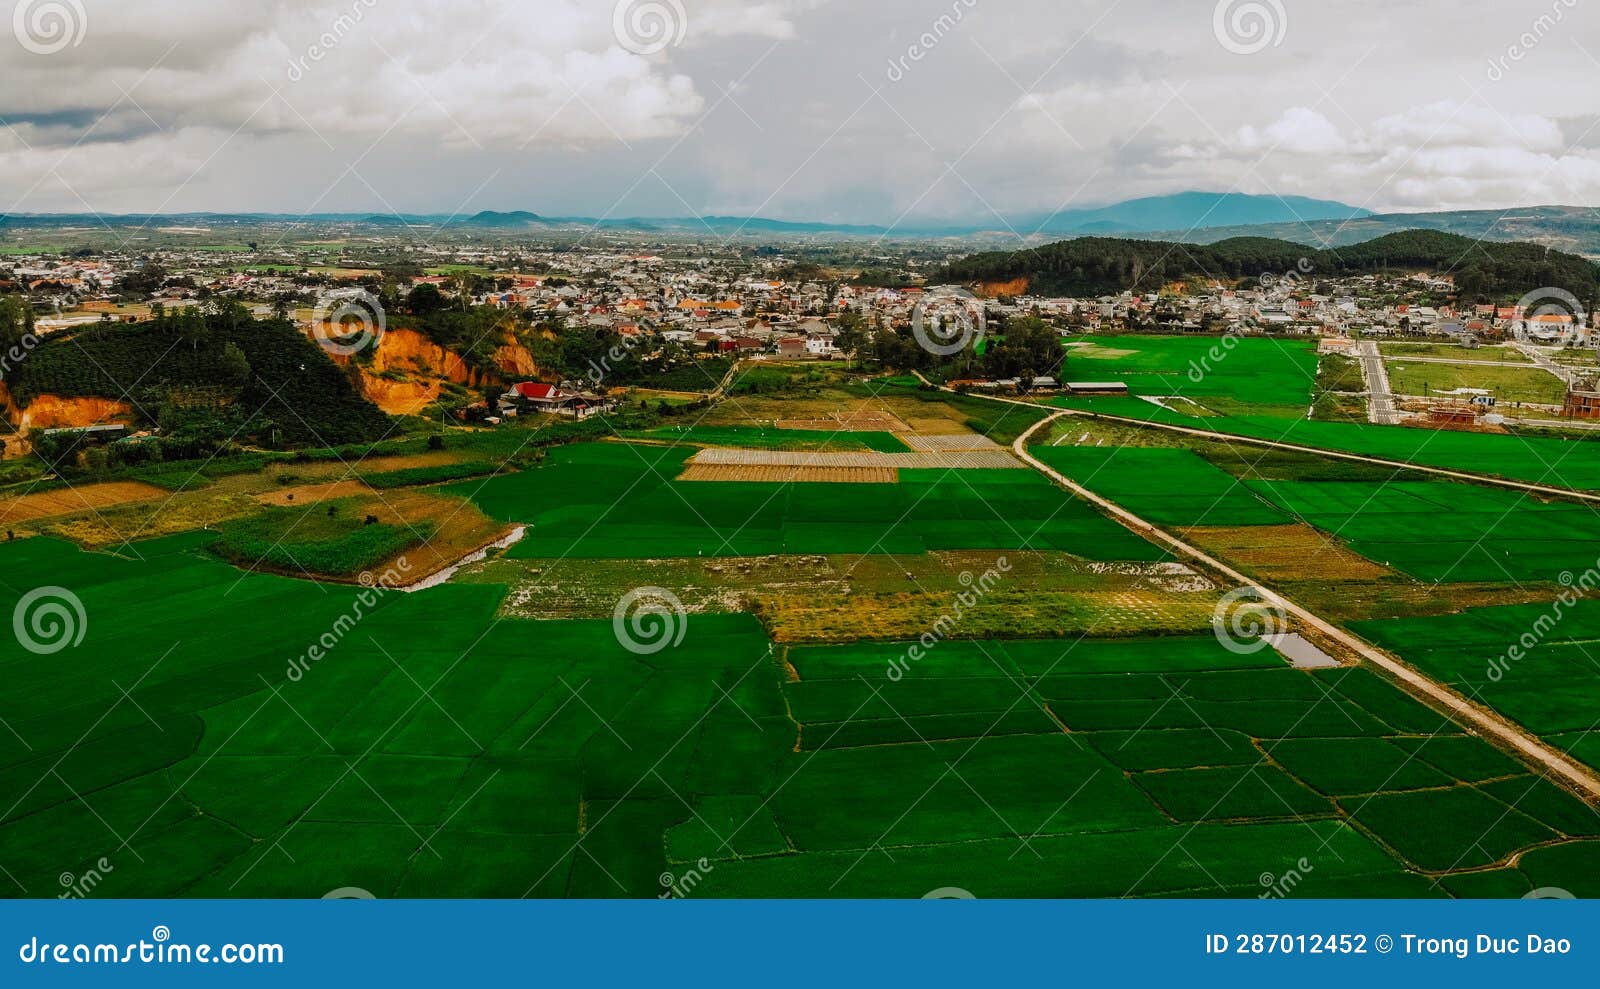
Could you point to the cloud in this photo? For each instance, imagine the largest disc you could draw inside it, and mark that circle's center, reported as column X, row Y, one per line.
column 1301, row 130
column 787, row 106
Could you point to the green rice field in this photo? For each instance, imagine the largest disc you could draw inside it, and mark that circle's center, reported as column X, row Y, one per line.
column 198, row 744
column 620, row 501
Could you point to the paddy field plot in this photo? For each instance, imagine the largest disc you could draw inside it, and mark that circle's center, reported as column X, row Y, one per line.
column 1447, row 531
column 615, row 500
column 1165, row 486
column 1224, row 374
column 440, row 748
column 1538, row 664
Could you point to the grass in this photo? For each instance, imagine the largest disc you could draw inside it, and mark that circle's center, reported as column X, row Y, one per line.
column 1509, row 385
column 1551, row 686
column 1446, row 351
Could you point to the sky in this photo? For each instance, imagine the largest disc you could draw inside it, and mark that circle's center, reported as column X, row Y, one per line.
column 859, row 111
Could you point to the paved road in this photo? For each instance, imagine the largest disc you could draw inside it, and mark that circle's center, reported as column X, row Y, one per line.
column 1509, row 734
column 1380, row 399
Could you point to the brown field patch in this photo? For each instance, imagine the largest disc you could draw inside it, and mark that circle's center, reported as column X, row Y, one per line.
column 1286, row 552
column 859, row 420
column 459, row 528
column 302, row 494
column 788, row 475
column 71, row 501
column 937, row 427
column 1355, row 601
column 1029, row 613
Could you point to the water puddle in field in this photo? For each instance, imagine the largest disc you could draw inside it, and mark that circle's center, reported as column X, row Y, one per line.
column 1300, row 652
column 435, row 580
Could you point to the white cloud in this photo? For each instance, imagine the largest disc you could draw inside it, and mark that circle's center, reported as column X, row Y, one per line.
column 1301, row 130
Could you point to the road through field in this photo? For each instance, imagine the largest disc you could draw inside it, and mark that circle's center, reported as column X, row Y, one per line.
column 1380, row 397
column 1571, row 494
column 1463, row 711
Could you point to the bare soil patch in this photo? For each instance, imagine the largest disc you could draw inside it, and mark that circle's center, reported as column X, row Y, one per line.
column 1286, row 552
column 71, row 501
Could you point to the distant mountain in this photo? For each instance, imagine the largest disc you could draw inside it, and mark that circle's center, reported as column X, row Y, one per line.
column 499, row 221
column 1190, row 211
column 1198, row 217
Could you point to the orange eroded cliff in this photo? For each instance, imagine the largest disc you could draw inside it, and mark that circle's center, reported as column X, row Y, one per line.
column 425, row 366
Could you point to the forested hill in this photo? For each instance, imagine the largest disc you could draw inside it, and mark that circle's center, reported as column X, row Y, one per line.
column 1091, row 266
column 257, row 377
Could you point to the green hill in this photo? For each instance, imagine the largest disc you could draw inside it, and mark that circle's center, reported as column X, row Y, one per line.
column 1100, row 266
column 277, row 379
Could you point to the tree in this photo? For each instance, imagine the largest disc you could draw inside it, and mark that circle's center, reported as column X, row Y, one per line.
column 852, row 337
column 426, row 299
column 233, row 367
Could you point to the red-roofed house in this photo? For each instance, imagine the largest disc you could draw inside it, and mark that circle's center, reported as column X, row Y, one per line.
column 537, row 396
